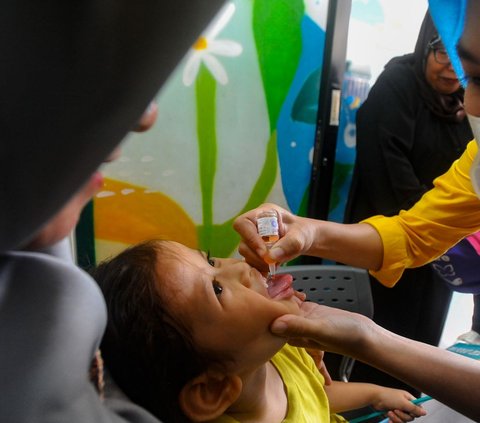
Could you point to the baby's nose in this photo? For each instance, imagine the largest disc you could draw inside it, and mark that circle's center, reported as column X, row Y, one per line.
column 245, row 274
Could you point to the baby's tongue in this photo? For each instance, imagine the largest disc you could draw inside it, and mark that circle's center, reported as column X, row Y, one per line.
column 278, row 284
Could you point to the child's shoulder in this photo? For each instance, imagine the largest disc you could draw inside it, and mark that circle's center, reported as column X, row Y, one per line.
column 289, row 352
column 290, row 357
column 295, row 353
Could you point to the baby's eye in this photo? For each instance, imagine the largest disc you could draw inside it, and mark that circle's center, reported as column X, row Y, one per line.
column 210, row 260
column 217, row 288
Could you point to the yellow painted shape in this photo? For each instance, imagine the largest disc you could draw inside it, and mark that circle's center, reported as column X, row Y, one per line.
column 129, row 215
column 201, row 44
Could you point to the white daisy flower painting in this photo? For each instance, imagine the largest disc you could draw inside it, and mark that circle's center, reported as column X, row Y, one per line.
column 208, row 46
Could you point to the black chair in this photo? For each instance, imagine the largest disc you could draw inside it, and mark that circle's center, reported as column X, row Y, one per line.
column 338, row 286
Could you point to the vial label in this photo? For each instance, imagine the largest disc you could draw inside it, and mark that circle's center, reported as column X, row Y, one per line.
column 268, row 228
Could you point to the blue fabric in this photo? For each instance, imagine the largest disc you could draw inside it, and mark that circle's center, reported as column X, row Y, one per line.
column 449, row 18
column 459, row 267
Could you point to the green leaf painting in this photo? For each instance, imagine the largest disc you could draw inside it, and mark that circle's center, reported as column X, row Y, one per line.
column 276, row 26
column 277, row 34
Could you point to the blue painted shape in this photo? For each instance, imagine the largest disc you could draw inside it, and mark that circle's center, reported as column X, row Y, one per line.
column 295, row 138
column 370, row 12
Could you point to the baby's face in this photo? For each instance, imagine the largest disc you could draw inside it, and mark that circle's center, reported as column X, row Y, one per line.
column 225, row 304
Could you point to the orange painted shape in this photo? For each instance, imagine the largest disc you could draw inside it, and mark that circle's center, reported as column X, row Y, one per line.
column 131, row 215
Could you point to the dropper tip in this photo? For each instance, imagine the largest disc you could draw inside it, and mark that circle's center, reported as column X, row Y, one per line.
column 272, row 269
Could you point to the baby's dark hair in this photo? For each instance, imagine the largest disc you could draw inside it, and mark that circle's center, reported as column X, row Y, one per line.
column 149, row 357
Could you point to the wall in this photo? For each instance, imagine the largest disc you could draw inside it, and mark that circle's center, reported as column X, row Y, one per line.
column 236, row 128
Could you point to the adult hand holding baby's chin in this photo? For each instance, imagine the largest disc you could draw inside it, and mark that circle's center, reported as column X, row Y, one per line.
column 325, row 328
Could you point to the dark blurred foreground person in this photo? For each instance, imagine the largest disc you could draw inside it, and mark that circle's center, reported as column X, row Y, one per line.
column 76, row 77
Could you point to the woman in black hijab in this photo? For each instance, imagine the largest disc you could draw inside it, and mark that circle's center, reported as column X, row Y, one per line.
column 409, row 131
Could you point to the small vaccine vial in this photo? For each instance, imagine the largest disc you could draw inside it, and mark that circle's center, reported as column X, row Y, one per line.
column 267, row 227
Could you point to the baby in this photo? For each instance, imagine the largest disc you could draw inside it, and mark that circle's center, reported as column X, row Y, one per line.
column 188, row 338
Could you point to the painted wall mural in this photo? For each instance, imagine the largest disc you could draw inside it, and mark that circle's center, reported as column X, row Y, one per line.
column 236, row 128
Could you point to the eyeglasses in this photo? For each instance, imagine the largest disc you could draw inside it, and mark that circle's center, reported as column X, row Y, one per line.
column 440, row 55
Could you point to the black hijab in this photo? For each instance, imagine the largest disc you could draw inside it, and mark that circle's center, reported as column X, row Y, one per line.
column 446, row 106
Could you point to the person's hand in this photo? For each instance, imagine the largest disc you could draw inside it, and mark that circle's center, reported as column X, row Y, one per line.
column 317, row 356
column 296, row 236
column 399, row 403
column 325, row 328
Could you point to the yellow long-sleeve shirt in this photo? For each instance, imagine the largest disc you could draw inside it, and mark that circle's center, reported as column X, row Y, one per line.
column 444, row 215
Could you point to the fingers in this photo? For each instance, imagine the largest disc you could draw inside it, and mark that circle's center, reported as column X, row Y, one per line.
column 297, row 235
column 400, row 416
column 408, row 413
column 412, row 409
column 317, row 356
column 324, row 371
column 300, row 295
column 397, row 416
column 252, row 244
column 148, row 118
column 416, row 411
column 252, row 257
column 253, row 247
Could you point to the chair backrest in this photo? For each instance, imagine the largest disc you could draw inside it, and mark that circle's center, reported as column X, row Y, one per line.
column 338, row 286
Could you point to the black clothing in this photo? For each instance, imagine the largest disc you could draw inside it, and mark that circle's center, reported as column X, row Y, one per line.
column 404, row 141
column 401, row 146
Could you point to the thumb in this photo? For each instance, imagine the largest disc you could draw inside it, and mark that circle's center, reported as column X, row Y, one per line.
column 277, row 254
column 286, row 248
column 296, row 329
column 291, row 326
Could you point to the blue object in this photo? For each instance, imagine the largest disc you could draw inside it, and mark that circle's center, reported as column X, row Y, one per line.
column 449, row 18
column 379, row 413
column 459, row 266
column 468, row 350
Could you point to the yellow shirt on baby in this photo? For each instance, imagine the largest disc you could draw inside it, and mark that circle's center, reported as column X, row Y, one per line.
column 441, row 218
column 307, row 400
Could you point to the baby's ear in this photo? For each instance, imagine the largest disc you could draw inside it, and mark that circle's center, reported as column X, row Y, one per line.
column 208, row 395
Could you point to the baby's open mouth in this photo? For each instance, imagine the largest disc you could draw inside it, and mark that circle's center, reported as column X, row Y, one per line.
column 280, row 286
